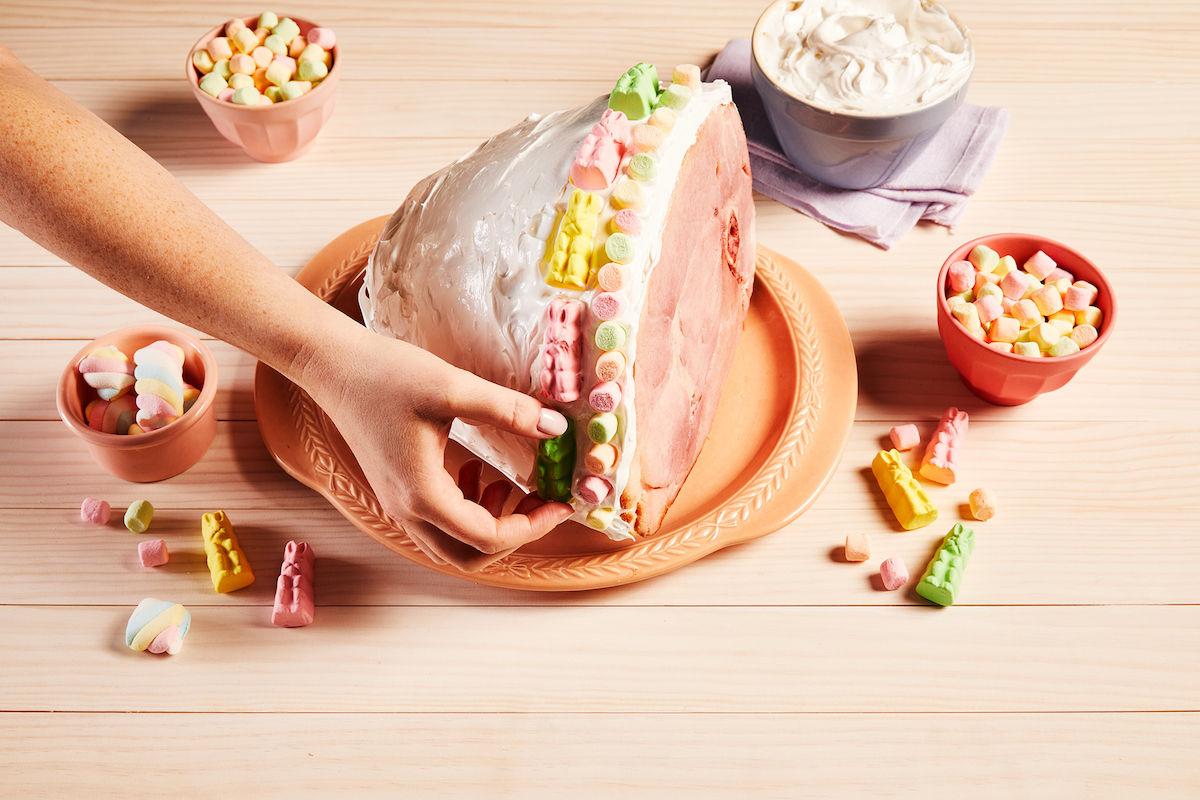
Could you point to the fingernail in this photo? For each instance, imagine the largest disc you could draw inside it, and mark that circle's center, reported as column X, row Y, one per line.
column 551, row 423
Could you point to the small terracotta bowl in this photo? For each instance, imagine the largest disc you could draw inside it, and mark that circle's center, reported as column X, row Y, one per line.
column 1007, row 379
column 278, row 132
column 154, row 455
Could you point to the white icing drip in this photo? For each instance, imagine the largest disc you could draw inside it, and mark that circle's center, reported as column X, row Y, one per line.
column 458, row 271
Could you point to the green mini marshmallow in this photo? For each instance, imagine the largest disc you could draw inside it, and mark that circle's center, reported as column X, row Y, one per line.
column 610, row 336
column 602, row 427
column 291, row 90
column 138, row 516
column 642, row 168
column 619, row 248
column 943, row 577
column 312, row 71
column 212, row 83
column 274, row 94
column 246, row 96
column 222, row 68
column 984, row 258
column 268, row 20
column 675, row 97
column 1065, row 346
column 276, row 44
column 286, row 29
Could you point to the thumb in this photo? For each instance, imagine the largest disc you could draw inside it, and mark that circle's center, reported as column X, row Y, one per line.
column 481, row 402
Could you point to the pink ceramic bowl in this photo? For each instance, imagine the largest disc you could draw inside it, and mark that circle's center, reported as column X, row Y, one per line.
column 279, row 132
column 154, row 455
column 1004, row 378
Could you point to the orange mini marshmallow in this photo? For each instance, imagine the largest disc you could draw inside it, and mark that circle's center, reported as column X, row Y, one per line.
column 601, row 459
column 647, row 138
column 1040, row 265
column 1026, row 313
column 1048, row 300
column 242, row 64
column 1083, row 335
column 262, row 56
column 1089, row 316
column 905, row 437
column 1004, row 329
column 296, row 46
column 858, row 546
column 1081, row 295
column 983, row 504
column 613, row 277
column 219, row 48
column 610, row 365
column 1003, row 347
column 233, row 26
column 984, row 278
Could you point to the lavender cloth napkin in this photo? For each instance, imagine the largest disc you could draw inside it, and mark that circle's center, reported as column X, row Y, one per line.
column 934, row 187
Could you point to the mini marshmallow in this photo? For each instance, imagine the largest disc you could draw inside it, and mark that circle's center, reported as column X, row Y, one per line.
column 629, row 194
column 593, row 489
column 276, row 45
column 262, row 56
column 905, row 437
column 233, row 26
column 642, row 168
column 246, row 96
column 675, row 97
column 1004, row 329
column 968, row 315
column 1062, row 285
column 222, row 68
column 1063, row 326
column 984, row 278
column 647, row 138
column 279, row 73
column 990, row 290
column 858, row 546
column 983, row 504
column 613, row 277
column 1048, row 300
column 312, row 71
column 1081, row 295
column 959, row 300
column 605, row 396
column 293, row 89
column 261, row 35
column 296, row 46
column 274, row 94
column 600, row 518
column 961, row 276
column 267, row 19
column 1059, row 273
column 322, row 37
column 984, row 258
column 602, row 428
column 893, row 573
column 243, row 64
column 1044, row 335
column 664, row 119
column 1034, row 285
column 243, row 41
column 687, row 75
column 1014, row 284
column 608, row 305
column 1090, row 316
column 1004, row 266
column 601, row 459
column 240, row 81
column 1026, row 313
column 1027, row 349
column 1007, row 305
column 226, row 94
column 287, row 29
column 1065, row 346
column 1040, row 265
column 989, row 308
column 315, row 53
column 1003, row 347
column 138, row 516
column 202, row 61
column 212, row 84
column 153, row 553
column 610, row 336
column 97, row 512
column 1083, row 335
column 610, row 365
column 218, row 49
column 619, row 248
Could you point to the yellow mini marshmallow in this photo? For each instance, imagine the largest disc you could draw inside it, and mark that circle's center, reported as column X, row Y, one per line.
column 990, row 289
column 314, row 52
column 956, row 301
column 222, row 68
column 1044, row 335
column 1003, row 347
column 268, row 19
column 202, row 61
column 1065, row 346
column 276, row 45
column 240, row 81
column 1029, row 349
column 1048, row 300
column 274, row 94
column 212, row 83
column 1004, row 266
column 280, row 73
column 1063, row 326
column 1089, row 316
column 664, row 119
column 246, row 96
column 1061, row 286
column 984, row 258
column 244, row 41
column 1026, row 312
column 967, row 315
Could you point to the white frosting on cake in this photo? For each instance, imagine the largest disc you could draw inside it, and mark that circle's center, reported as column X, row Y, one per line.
column 459, row 272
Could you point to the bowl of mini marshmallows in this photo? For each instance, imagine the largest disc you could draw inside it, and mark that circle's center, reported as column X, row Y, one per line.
column 268, row 82
column 142, row 399
column 1021, row 314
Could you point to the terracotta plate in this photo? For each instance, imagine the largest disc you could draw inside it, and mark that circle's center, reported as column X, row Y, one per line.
column 781, row 426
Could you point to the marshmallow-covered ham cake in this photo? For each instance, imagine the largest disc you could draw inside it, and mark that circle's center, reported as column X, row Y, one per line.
column 600, row 259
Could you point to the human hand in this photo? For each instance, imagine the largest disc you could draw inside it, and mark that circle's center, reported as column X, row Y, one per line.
column 393, row 404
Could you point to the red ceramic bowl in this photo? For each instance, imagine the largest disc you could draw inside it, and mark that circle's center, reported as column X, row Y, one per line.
column 1004, row 378
column 279, row 132
column 154, row 455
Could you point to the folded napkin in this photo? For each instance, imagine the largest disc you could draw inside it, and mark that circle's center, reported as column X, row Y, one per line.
column 934, row 187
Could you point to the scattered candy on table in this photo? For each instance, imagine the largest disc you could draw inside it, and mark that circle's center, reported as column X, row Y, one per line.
column 294, row 604
column 905, row 437
column 893, row 573
column 227, row 564
column 97, row 512
column 1003, row 305
column 983, row 504
column 157, row 626
column 858, row 546
column 153, row 553
column 908, row 501
column 943, row 577
column 138, row 516
column 941, row 456
column 270, row 64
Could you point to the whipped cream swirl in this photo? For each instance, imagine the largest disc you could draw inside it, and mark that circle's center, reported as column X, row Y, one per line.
column 865, row 57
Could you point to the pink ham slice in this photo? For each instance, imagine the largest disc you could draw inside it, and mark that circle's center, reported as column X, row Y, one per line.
column 698, row 298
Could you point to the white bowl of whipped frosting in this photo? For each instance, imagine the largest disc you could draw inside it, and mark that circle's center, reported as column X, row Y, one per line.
column 855, row 89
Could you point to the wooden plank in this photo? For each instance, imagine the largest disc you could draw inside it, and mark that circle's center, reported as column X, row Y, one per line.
column 614, row 660
column 1024, row 557
column 1172, row 15
column 30, row 370
column 381, row 53
column 645, row 755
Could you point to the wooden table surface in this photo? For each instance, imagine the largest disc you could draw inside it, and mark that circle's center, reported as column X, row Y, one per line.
column 1071, row 667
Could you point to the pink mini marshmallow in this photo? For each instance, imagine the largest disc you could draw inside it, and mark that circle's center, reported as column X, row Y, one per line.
column 989, row 308
column 628, row 221
column 169, row 641
column 1040, row 265
column 1058, row 274
column 608, row 305
column 1014, row 284
column 961, row 276
column 1081, row 295
column 893, row 573
column 906, row 437
column 95, row 511
column 1007, row 304
column 153, row 553
column 605, row 396
column 593, row 489
column 322, row 37
column 226, row 94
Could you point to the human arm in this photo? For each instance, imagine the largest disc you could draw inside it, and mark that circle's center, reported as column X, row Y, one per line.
column 80, row 189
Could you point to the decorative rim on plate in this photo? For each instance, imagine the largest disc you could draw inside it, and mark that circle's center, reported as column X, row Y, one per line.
column 729, row 524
